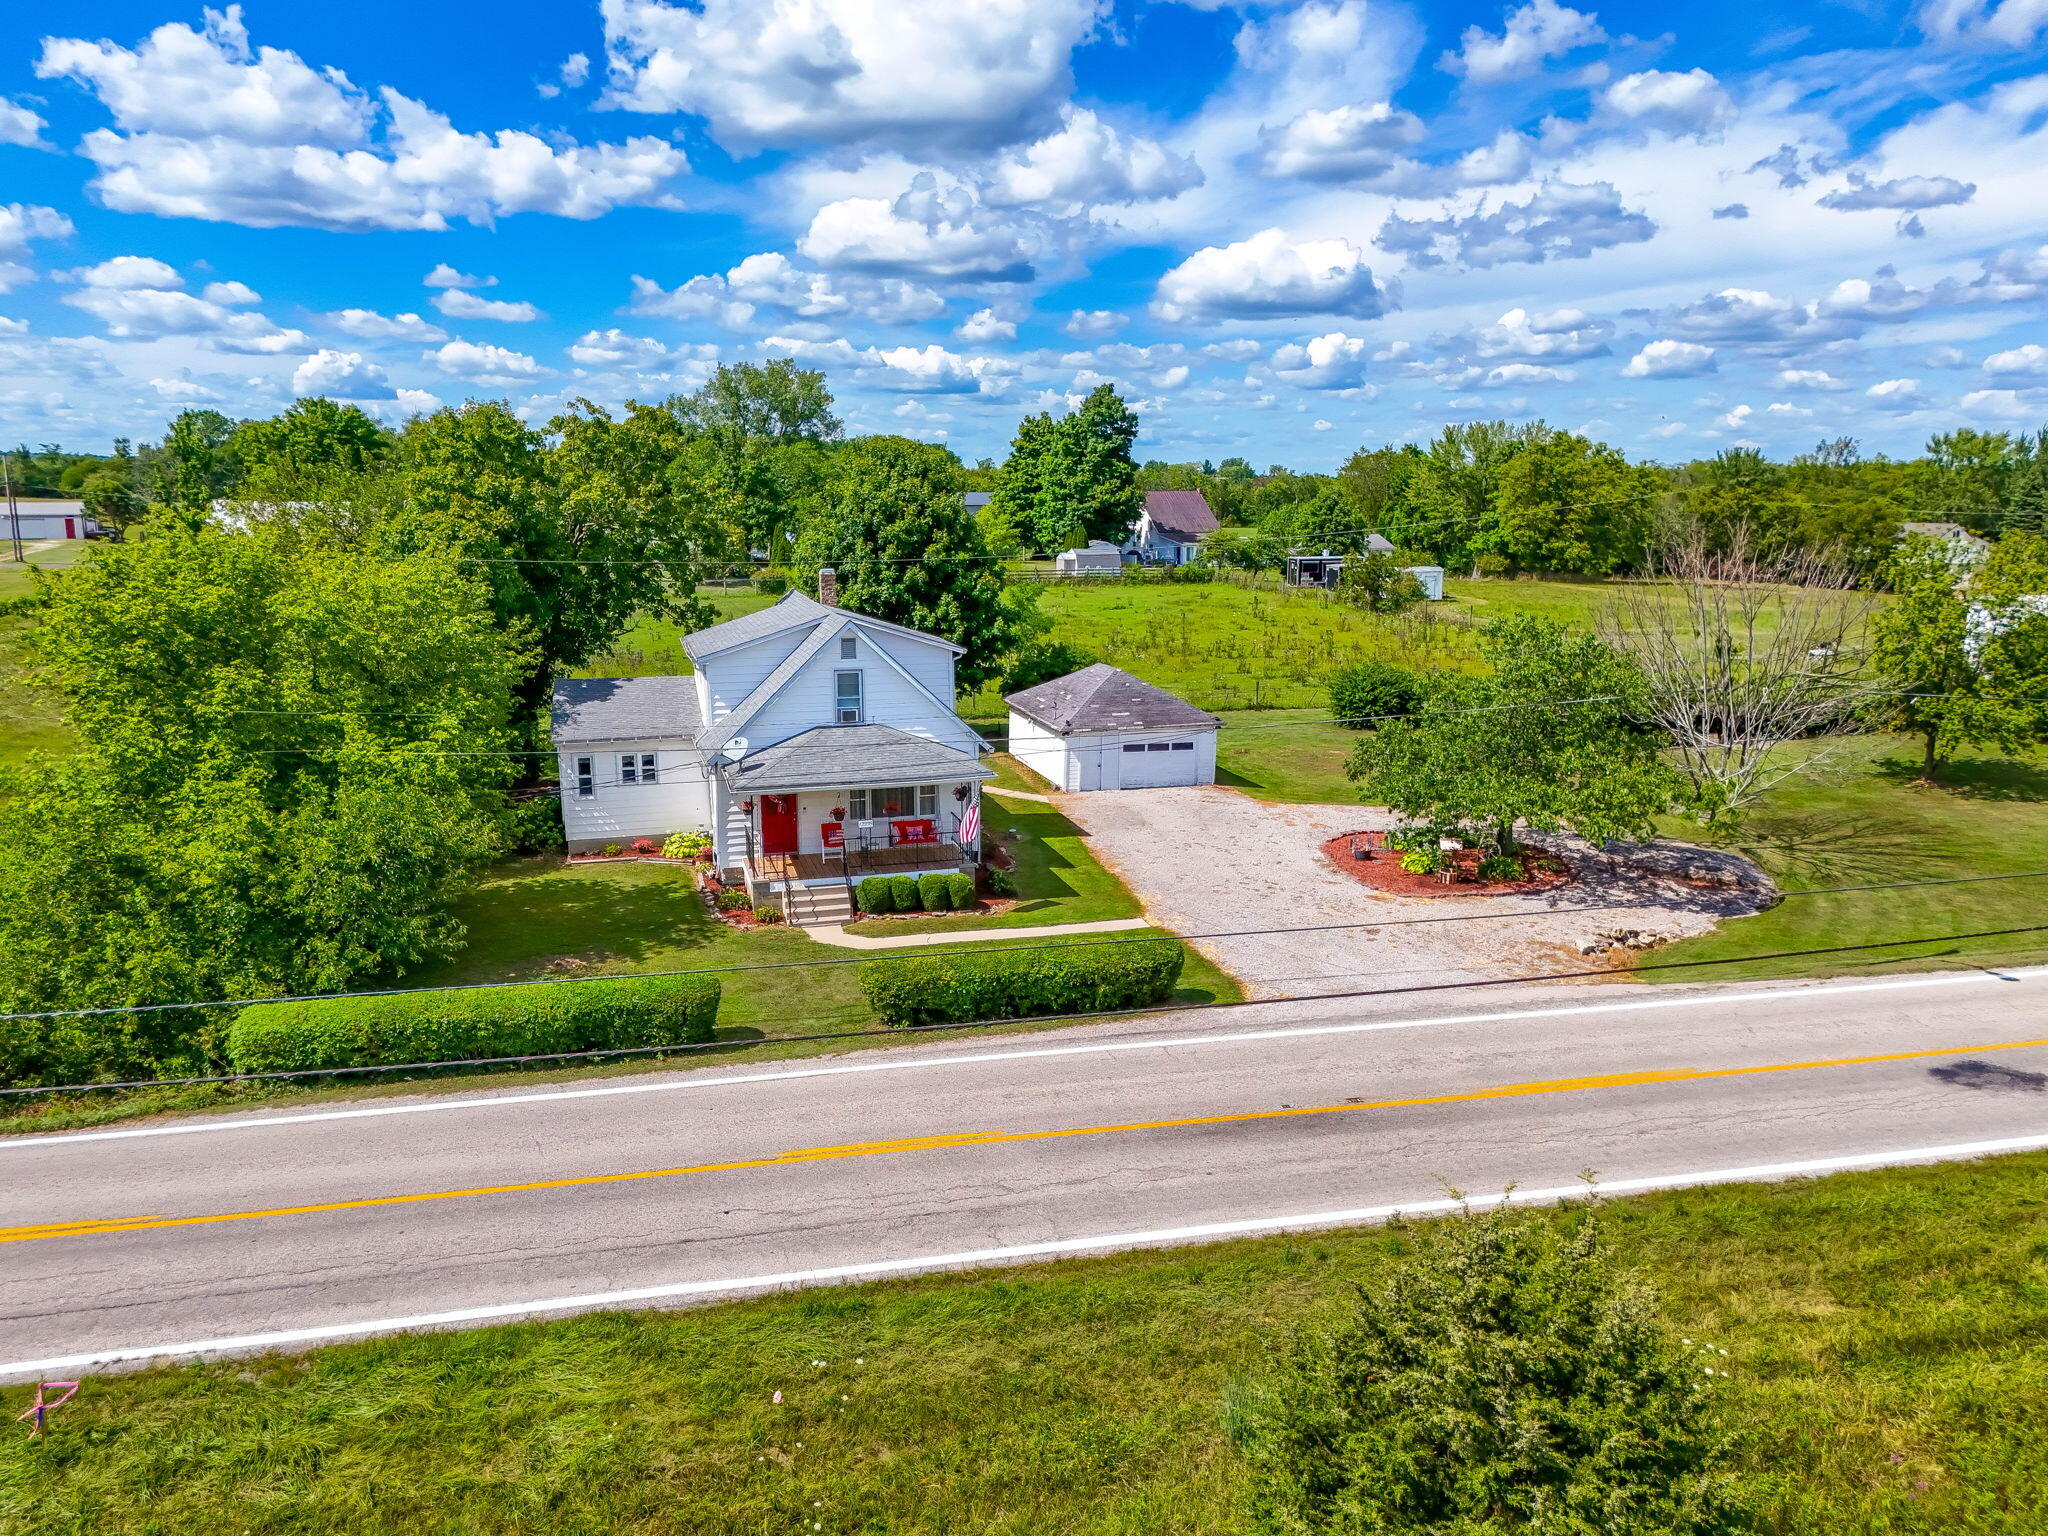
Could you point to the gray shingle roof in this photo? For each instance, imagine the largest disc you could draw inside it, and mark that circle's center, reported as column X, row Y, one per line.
column 793, row 610
column 588, row 709
column 1106, row 698
column 850, row 757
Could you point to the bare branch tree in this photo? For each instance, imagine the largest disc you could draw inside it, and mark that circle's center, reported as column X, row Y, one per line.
column 1744, row 654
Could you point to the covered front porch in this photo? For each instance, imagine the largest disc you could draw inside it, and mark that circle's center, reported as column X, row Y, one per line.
column 837, row 804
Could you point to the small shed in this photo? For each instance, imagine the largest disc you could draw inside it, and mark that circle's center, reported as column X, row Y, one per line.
column 1430, row 578
column 1101, row 728
column 1325, row 569
column 1098, row 558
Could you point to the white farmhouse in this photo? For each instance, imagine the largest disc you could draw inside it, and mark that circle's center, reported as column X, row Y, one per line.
column 1101, row 728
column 816, row 745
column 1171, row 528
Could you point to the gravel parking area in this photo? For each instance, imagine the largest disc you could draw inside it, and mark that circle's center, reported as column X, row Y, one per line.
column 1210, row 860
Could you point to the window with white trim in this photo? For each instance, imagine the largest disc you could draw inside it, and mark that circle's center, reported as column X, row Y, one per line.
column 586, row 778
column 927, row 799
column 856, row 805
column 637, row 768
column 847, row 649
column 846, row 697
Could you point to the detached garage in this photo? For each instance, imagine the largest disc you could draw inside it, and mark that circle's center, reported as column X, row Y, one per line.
column 1101, row 728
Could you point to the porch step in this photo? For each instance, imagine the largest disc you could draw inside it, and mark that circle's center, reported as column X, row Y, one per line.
column 815, row 906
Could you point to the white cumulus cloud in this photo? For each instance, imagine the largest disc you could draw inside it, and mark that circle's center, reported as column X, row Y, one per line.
column 1335, row 361
column 372, row 326
column 769, row 281
column 1271, row 276
column 482, row 364
column 1559, row 220
column 1670, row 360
column 925, row 232
column 1540, row 30
column 458, row 304
column 2031, row 360
column 1688, row 102
column 1087, row 162
column 911, row 73
column 341, row 376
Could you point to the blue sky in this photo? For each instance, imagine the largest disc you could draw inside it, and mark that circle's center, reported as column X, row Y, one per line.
column 1283, row 230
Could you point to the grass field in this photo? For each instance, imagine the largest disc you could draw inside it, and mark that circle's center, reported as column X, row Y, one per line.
column 1862, row 820
column 1885, row 1333
column 30, row 720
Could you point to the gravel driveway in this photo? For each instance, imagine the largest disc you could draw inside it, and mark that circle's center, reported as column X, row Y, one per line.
column 1210, row 860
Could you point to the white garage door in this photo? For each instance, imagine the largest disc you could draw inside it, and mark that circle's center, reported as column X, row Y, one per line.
column 1157, row 764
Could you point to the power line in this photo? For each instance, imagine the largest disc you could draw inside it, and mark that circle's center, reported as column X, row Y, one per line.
column 898, row 1032
column 995, row 948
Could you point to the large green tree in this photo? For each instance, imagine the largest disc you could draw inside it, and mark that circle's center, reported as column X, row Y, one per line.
column 196, row 464
column 906, row 549
column 1566, row 503
column 1965, row 652
column 1072, row 478
column 290, row 757
column 1544, row 737
column 1450, row 502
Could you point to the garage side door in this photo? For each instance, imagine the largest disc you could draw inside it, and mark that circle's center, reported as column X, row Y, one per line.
column 1158, row 764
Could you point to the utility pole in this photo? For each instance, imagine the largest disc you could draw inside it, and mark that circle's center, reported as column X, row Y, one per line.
column 13, row 509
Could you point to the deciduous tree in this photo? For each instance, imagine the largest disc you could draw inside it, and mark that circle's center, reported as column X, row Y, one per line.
column 1543, row 738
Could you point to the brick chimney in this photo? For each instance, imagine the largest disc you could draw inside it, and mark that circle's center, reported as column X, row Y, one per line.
column 828, row 587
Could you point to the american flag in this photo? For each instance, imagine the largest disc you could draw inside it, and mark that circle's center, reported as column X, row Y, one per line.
column 970, row 824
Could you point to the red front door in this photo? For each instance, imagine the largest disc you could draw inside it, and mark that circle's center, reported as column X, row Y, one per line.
column 778, row 823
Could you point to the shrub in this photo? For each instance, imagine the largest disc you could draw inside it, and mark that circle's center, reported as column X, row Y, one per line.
column 1000, row 881
column 534, row 826
column 1505, row 1376
column 1021, row 984
column 935, row 890
column 535, row 1019
column 1493, row 567
column 732, row 901
column 875, row 895
column 686, row 845
column 903, row 891
column 771, row 585
column 1423, row 861
column 1367, row 689
column 961, row 888
column 646, row 847
column 611, row 850
column 767, row 914
column 1500, row 866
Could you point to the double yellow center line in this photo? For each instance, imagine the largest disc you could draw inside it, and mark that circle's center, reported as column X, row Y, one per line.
column 99, row 1228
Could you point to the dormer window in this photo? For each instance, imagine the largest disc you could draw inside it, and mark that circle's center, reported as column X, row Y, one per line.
column 846, row 697
column 847, row 649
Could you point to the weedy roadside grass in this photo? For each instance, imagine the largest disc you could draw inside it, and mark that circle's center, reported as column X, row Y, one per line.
column 1885, row 1335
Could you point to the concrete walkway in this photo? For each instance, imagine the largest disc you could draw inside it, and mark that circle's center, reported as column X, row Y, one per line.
column 1015, row 794
column 847, row 940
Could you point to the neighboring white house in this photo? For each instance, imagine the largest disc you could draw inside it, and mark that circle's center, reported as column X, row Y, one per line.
column 45, row 520
column 1962, row 548
column 1099, row 558
column 1101, row 728
column 1171, row 528
column 815, row 744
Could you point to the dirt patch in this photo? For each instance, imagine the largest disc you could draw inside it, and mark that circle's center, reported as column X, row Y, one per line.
column 1382, row 870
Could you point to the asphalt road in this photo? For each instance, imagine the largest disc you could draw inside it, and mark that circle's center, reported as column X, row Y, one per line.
column 287, row 1227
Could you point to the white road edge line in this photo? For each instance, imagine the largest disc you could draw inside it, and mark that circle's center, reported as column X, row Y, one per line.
column 712, row 1079
column 1159, row 1237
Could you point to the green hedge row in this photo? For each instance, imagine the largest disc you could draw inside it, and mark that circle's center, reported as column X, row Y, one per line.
column 935, row 892
column 531, row 1020
column 1021, row 984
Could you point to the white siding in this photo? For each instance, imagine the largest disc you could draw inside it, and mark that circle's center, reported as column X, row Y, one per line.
column 930, row 664
column 731, row 675
column 887, row 698
column 615, row 812
column 1039, row 749
column 1096, row 760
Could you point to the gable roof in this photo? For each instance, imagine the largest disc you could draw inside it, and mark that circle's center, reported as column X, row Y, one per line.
column 1106, row 698
column 851, row 757
column 1182, row 513
column 792, row 611
column 588, row 709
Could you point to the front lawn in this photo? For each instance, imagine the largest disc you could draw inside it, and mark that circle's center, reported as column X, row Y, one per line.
column 625, row 918
column 1864, row 821
column 1058, row 879
column 1884, row 1335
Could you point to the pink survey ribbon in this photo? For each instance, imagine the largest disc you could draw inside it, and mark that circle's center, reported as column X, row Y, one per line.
column 40, row 1409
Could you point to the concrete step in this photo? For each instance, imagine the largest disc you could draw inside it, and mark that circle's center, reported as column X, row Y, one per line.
column 816, row 906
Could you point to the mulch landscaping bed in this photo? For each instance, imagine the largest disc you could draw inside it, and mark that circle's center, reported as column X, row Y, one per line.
column 1383, row 871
